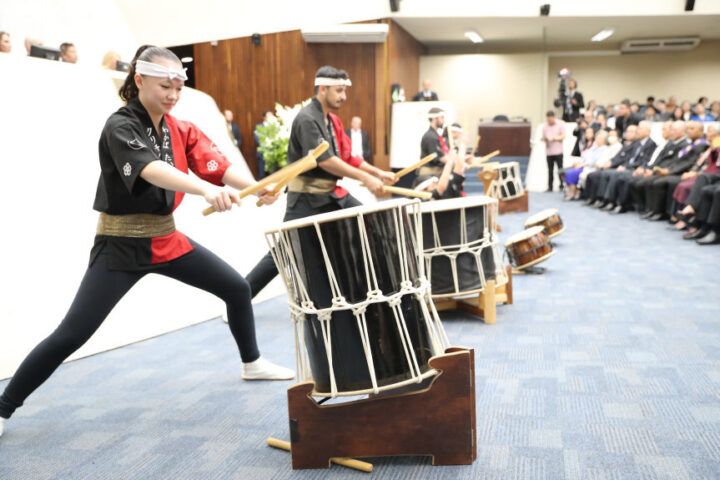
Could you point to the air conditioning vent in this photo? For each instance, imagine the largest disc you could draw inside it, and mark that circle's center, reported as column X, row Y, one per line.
column 659, row 45
column 352, row 33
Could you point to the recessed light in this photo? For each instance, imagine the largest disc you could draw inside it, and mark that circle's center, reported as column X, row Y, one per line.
column 602, row 35
column 474, row 36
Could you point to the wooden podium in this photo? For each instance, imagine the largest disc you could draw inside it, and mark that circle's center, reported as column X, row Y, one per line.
column 437, row 420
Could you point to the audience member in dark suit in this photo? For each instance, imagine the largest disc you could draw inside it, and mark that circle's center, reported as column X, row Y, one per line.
column 267, row 116
column 597, row 180
column 616, row 188
column 704, row 206
column 233, row 128
column 425, row 95
column 360, row 140
column 573, row 102
column 625, row 117
column 657, row 199
column 639, row 184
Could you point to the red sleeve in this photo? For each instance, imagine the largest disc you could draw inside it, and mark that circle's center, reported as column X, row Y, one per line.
column 344, row 143
column 204, row 157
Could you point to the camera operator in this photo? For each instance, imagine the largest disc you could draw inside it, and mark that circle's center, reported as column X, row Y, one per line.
column 573, row 102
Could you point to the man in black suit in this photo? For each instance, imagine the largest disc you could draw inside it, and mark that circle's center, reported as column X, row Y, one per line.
column 233, row 128
column 667, row 178
column 425, row 95
column 596, row 181
column 668, row 156
column 573, row 102
column 360, row 140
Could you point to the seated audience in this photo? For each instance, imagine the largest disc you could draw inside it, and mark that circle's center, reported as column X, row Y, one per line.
column 588, row 159
column 657, row 200
column 715, row 110
column 686, row 109
column 29, row 42
column 703, row 210
column 699, row 114
column 68, row 53
column 110, row 60
column 5, row 45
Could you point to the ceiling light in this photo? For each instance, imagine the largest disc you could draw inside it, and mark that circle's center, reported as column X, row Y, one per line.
column 474, row 36
column 602, row 35
column 186, row 60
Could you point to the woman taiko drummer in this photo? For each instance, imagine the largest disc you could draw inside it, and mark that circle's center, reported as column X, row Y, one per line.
column 145, row 155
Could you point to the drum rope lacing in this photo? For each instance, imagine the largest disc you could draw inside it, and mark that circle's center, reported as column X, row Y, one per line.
column 499, row 187
column 475, row 248
column 301, row 305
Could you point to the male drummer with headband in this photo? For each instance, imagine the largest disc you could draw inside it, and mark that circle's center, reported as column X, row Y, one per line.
column 316, row 191
column 433, row 141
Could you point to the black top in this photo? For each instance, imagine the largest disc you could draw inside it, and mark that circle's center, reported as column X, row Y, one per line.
column 454, row 188
column 127, row 144
column 308, row 130
column 420, row 97
column 430, row 143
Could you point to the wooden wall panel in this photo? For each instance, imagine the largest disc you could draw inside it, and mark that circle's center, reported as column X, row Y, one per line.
column 249, row 78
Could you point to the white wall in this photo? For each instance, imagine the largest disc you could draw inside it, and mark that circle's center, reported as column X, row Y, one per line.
column 482, row 86
column 52, row 115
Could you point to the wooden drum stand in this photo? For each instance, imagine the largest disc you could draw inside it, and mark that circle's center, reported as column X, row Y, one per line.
column 488, row 175
column 437, row 420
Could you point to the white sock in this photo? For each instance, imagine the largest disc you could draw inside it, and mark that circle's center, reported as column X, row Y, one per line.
column 2, row 425
column 262, row 369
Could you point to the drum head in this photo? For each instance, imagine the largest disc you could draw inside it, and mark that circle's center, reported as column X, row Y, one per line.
column 456, row 203
column 524, row 235
column 540, row 216
column 344, row 213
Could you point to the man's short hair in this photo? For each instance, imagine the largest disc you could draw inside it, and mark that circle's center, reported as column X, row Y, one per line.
column 550, row 113
column 328, row 71
column 626, row 102
column 650, row 98
column 3, row 33
column 64, row 47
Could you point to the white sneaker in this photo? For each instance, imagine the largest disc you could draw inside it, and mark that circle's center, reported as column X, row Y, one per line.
column 262, row 369
column 2, row 425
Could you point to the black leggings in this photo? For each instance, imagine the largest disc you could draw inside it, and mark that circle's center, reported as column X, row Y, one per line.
column 101, row 289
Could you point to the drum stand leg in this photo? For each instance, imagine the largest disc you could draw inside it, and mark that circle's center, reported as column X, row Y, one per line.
column 484, row 304
column 437, row 421
column 519, row 204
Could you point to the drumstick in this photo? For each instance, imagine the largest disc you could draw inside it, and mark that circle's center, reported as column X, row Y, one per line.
column 345, row 462
column 294, row 169
column 408, row 192
column 485, row 158
column 405, row 171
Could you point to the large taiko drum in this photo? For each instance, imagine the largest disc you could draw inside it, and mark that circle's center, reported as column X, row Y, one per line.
column 508, row 184
column 528, row 248
column 359, row 298
column 549, row 219
column 460, row 245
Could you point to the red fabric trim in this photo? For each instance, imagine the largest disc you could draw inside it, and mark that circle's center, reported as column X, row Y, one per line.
column 201, row 154
column 169, row 247
column 344, row 143
column 443, row 145
column 340, row 192
column 178, row 148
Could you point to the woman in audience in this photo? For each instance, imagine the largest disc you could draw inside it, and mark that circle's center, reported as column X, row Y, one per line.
column 677, row 114
column 687, row 110
column 145, row 155
column 590, row 158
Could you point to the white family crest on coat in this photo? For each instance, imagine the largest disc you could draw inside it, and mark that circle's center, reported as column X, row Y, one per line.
column 212, row 165
column 136, row 144
column 127, row 169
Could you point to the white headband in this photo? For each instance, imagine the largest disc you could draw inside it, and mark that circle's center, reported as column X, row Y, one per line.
column 436, row 115
column 155, row 70
column 423, row 185
column 455, row 129
column 332, row 82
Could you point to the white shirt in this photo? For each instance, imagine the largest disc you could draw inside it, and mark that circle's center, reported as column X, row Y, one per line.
column 356, row 137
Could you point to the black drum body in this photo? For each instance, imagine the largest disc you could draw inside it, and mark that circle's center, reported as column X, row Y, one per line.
column 343, row 239
column 449, row 233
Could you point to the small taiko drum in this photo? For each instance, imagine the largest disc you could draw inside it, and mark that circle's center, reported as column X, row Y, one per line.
column 508, row 184
column 528, row 248
column 549, row 220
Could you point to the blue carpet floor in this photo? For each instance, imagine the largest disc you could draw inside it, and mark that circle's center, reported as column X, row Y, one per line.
column 605, row 367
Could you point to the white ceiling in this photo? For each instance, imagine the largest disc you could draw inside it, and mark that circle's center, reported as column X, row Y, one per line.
column 553, row 32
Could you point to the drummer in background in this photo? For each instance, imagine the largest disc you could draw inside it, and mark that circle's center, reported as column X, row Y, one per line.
column 459, row 142
column 449, row 184
column 433, row 141
column 316, row 191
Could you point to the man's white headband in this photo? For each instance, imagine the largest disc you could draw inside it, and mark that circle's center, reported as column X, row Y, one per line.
column 436, row 114
column 425, row 184
column 332, row 82
column 155, row 70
